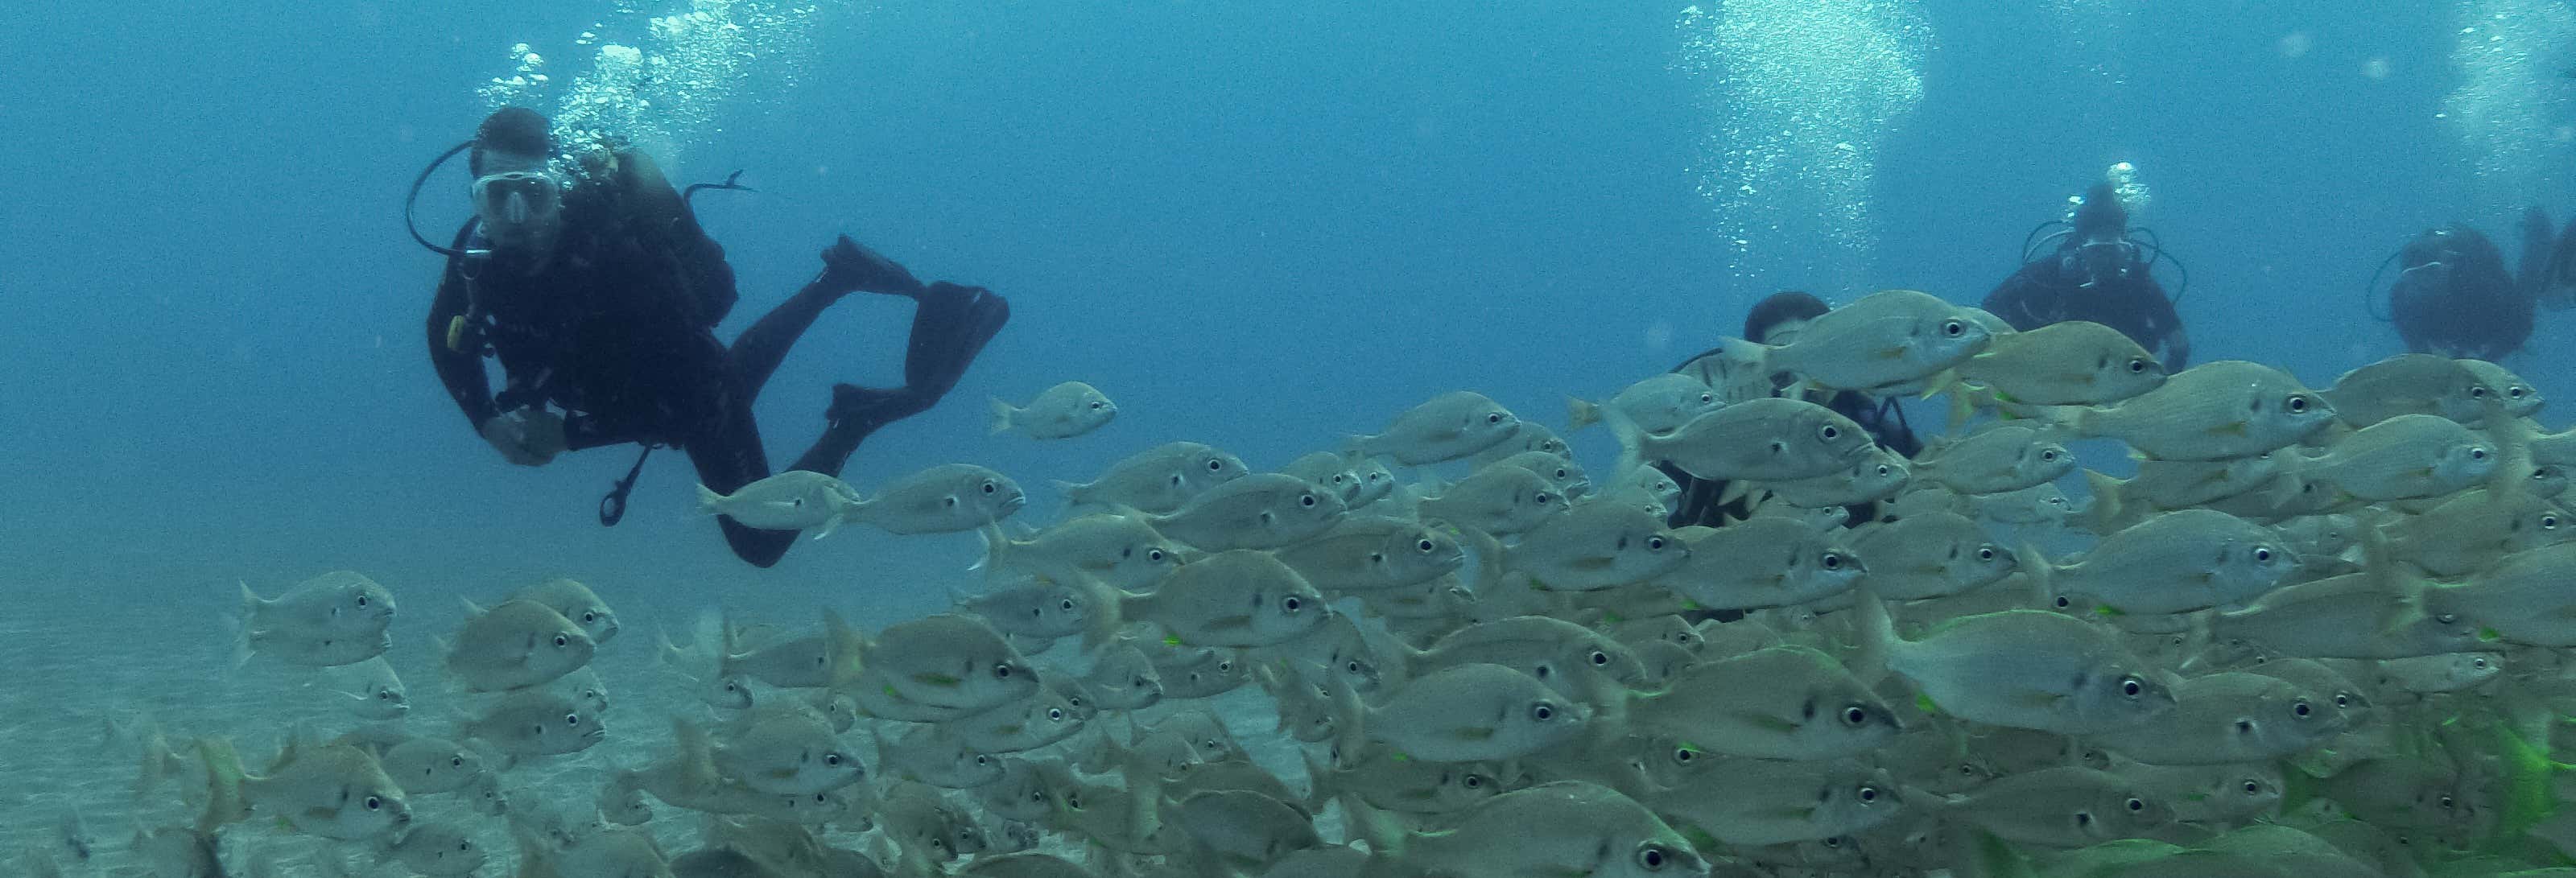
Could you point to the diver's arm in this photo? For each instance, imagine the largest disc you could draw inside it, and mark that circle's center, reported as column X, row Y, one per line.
column 460, row 370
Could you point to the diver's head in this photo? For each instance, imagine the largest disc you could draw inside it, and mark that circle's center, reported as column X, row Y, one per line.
column 516, row 194
column 1777, row 318
column 2099, row 248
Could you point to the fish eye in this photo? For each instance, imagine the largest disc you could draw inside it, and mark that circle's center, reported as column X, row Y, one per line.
column 1055, row 714
column 2137, row 365
column 2263, row 556
column 1707, row 398
column 1155, row 555
column 1066, row 604
column 1953, row 328
column 1291, row 603
column 2446, row 618
column 2298, row 405
column 1306, row 500
column 2342, row 700
column 1002, row 671
column 2063, row 603
column 1830, row 432
column 1654, row 544
column 588, row 617
column 2549, row 522
column 1652, row 858
column 2048, row 456
column 2479, row 663
column 1095, row 405
column 1855, row 715
column 362, row 601
column 832, row 759
column 1472, row 781
column 1884, row 469
column 2083, row 818
column 1832, row 561
column 2130, row 686
column 1424, row 545
column 1352, row 667
column 1216, row 466
column 1684, row 754
column 2137, row 805
column 2447, row 803
column 2477, row 454
column 1868, row 795
column 456, row 762
column 2514, row 392
column 989, row 487
column 1493, row 417
column 1986, row 554
column 1225, row 667
column 374, row 803
column 2300, row 709
column 1542, row 711
column 2477, row 393
column 572, row 719
column 1600, row 659
column 1541, row 497
column 2252, row 787
column 562, row 641
column 384, row 695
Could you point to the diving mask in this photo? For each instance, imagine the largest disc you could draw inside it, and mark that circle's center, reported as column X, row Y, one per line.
column 518, row 207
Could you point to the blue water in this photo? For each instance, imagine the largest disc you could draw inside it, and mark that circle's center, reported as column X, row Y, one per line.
column 1257, row 225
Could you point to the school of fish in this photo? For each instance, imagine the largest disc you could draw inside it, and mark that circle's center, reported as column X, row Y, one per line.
column 2312, row 632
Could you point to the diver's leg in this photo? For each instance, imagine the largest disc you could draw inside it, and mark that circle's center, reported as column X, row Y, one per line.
column 856, row 413
column 948, row 330
column 847, row 268
column 725, row 449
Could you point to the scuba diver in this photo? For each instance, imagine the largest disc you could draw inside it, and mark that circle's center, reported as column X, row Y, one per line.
column 590, row 280
column 1774, row 320
column 2453, row 297
column 2098, row 272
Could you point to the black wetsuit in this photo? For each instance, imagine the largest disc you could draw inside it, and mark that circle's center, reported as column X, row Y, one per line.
column 2055, row 289
column 616, row 327
column 2454, row 298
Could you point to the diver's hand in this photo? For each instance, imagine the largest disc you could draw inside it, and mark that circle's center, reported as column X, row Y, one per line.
column 848, row 266
column 526, row 439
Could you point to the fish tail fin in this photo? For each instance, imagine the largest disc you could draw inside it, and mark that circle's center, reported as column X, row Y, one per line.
column 2100, row 516
column 1384, row 836
column 995, row 544
column 1001, row 415
column 241, row 638
column 1104, row 613
column 1580, row 414
column 158, row 762
column 1962, row 403
column 1877, row 637
column 224, row 777
column 249, row 601
column 2034, row 564
column 848, row 647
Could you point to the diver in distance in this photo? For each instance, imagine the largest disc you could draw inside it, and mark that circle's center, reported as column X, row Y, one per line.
column 2454, row 298
column 588, row 278
column 2098, row 271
